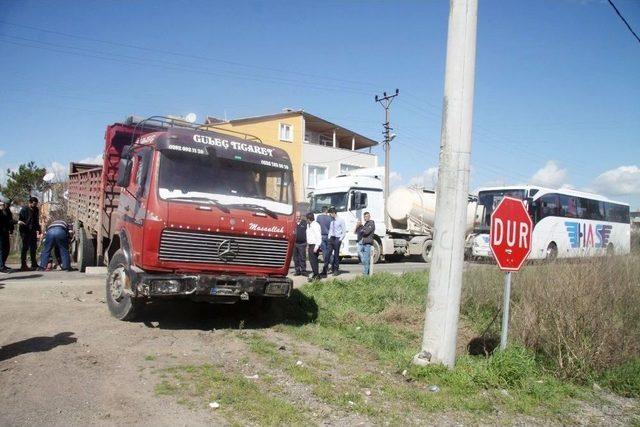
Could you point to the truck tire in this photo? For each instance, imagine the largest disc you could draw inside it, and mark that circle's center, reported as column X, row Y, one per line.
column 85, row 250
column 425, row 256
column 121, row 304
column 377, row 250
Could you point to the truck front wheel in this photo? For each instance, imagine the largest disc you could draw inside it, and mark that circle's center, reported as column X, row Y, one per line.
column 119, row 299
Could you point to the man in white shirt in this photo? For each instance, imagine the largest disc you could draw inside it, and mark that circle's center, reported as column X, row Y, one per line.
column 314, row 241
column 337, row 231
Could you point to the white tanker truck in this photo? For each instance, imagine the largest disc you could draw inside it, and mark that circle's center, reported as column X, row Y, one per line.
column 411, row 213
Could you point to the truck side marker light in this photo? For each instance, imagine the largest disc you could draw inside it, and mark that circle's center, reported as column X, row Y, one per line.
column 208, row 229
column 217, row 229
column 242, row 220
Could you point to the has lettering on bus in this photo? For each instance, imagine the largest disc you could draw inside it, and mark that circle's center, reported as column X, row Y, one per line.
column 583, row 235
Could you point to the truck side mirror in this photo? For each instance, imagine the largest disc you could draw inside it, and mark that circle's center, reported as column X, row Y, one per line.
column 358, row 200
column 124, row 167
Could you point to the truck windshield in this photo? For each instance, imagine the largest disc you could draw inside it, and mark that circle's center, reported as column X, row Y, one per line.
column 227, row 182
column 490, row 199
column 336, row 200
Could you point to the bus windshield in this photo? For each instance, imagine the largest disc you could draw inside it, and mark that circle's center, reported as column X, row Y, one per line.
column 490, row 199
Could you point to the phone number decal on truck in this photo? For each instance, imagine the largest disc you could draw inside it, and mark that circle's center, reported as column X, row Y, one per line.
column 191, row 150
column 274, row 164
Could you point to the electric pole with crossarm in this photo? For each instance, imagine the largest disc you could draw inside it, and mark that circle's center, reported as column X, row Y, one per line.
column 385, row 101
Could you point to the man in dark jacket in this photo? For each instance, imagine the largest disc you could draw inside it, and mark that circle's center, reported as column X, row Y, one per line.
column 365, row 233
column 29, row 227
column 300, row 248
column 6, row 228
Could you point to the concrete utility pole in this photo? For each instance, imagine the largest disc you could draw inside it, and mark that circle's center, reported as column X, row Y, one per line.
column 385, row 101
column 445, row 278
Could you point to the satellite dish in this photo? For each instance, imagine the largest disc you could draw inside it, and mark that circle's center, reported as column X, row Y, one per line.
column 191, row 117
column 50, row 176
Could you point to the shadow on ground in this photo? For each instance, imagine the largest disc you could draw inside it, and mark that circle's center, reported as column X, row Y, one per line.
column 36, row 345
column 184, row 314
column 13, row 276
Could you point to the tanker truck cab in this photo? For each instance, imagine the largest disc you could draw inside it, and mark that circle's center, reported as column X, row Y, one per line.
column 201, row 215
column 352, row 195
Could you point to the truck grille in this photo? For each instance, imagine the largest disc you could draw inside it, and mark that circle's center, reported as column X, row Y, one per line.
column 207, row 248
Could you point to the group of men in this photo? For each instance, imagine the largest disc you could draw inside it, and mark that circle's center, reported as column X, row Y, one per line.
column 325, row 233
column 56, row 237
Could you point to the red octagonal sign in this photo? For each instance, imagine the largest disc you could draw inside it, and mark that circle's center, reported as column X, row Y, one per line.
column 510, row 234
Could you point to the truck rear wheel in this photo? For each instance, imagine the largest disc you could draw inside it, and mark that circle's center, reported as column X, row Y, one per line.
column 426, row 251
column 85, row 250
column 119, row 299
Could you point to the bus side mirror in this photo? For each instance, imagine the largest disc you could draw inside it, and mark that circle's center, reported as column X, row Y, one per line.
column 124, row 167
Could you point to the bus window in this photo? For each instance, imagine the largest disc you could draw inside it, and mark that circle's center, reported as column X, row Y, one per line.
column 548, row 205
column 616, row 213
column 594, row 209
column 568, row 206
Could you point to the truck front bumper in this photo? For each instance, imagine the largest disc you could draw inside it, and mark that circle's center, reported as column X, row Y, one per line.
column 220, row 288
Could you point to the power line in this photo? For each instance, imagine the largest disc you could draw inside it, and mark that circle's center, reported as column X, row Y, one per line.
column 624, row 20
column 182, row 54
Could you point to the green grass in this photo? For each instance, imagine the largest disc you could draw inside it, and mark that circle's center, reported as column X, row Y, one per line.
column 149, row 358
column 241, row 400
column 624, row 380
column 381, row 317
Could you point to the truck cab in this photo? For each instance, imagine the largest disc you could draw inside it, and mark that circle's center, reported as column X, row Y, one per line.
column 352, row 195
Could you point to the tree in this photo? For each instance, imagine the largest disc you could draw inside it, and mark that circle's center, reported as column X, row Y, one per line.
column 24, row 183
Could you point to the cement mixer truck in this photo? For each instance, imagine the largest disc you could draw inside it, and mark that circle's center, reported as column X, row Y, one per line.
column 411, row 211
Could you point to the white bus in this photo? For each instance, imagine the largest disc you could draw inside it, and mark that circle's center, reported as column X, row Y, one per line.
column 567, row 223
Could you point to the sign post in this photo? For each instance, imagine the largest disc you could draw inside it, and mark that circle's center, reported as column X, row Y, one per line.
column 510, row 242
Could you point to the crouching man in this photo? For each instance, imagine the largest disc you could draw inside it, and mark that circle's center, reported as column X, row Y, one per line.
column 57, row 236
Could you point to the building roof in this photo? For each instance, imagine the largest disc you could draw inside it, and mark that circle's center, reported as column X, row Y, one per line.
column 311, row 120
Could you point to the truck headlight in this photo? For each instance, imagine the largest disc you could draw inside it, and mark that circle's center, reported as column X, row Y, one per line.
column 165, row 286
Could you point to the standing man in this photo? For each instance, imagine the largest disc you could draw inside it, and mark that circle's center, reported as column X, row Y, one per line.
column 365, row 241
column 337, row 231
column 314, row 240
column 300, row 248
column 7, row 230
column 29, row 226
column 324, row 220
column 57, row 236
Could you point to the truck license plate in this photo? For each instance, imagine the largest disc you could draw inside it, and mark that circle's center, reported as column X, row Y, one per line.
column 277, row 289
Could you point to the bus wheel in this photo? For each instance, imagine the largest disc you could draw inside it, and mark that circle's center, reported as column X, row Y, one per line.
column 610, row 250
column 552, row 252
column 121, row 304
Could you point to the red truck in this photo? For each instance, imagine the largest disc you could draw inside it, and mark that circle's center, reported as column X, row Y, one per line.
column 181, row 210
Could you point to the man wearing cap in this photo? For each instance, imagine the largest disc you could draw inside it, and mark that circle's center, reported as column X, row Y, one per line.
column 337, row 231
column 57, row 235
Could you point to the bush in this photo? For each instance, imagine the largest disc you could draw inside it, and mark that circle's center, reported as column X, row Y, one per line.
column 582, row 317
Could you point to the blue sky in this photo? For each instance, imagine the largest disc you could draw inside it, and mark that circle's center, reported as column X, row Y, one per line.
column 557, row 82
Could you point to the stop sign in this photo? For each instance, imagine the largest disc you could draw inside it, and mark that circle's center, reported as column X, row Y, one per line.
column 510, row 234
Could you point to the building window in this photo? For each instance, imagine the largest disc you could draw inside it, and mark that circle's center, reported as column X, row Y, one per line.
column 326, row 141
column 344, row 168
column 286, row 132
column 315, row 175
